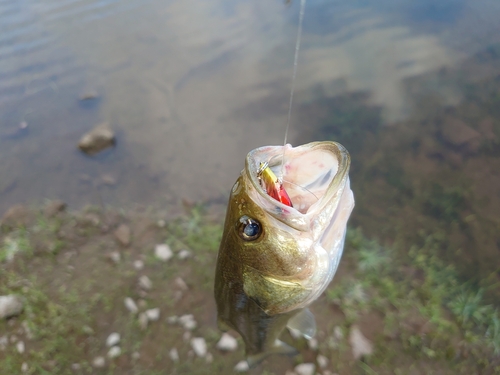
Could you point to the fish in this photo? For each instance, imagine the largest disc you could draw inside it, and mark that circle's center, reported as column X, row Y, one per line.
column 282, row 242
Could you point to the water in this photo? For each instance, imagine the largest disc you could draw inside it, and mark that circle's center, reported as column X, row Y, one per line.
column 191, row 86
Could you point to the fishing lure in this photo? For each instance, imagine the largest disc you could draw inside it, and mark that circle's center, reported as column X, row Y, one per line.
column 272, row 185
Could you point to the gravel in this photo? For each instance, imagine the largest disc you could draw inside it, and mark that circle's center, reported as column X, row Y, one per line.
column 153, row 314
column 360, row 345
column 131, row 305
column 163, row 252
column 113, row 339
column 199, row 346
column 145, row 282
column 99, row 362
column 10, row 305
column 114, row 352
column 305, row 369
column 241, row 366
column 227, row 343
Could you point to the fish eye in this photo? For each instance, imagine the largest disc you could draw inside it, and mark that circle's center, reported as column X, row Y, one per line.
column 249, row 229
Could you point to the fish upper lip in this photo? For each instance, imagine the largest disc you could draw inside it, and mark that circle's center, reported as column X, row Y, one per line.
column 290, row 215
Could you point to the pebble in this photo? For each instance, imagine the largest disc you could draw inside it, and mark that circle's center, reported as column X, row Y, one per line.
column 145, row 282
column 20, row 347
column 114, row 352
column 115, row 257
column 184, row 254
column 131, row 306
column 199, row 346
column 163, row 252
column 10, row 305
column 174, row 355
column 99, row 362
column 153, row 314
column 180, row 283
column 143, row 321
column 4, row 341
column 322, row 361
column 136, row 356
column 24, row 367
column 187, row 321
column 312, row 343
column 123, row 235
column 305, row 369
column 98, row 139
column 227, row 343
column 138, row 265
column 113, row 339
column 360, row 345
column 241, row 366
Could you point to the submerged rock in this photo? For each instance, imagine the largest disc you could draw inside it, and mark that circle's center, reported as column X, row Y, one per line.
column 98, row 139
column 10, row 305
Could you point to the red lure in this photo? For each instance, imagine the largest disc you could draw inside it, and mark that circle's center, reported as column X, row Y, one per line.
column 272, row 185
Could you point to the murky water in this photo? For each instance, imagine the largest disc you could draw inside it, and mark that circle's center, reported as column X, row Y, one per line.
column 191, row 86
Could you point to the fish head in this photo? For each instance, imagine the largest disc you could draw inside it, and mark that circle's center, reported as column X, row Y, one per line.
column 281, row 257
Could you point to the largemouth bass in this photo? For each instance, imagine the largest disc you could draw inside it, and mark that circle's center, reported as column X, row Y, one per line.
column 282, row 242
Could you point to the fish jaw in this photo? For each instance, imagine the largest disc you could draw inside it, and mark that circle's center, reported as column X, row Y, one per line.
column 261, row 285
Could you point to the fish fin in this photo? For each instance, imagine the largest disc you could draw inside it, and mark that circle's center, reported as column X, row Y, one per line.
column 279, row 347
column 304, row 323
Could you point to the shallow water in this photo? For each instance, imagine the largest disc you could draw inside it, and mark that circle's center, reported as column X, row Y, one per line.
column 191, row 86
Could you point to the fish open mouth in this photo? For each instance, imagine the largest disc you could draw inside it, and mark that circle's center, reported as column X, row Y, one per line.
column 305, row 176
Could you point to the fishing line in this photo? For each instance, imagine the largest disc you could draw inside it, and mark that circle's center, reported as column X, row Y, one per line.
column 294, row 76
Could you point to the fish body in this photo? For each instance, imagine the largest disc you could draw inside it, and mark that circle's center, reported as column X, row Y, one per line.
column 274, row 259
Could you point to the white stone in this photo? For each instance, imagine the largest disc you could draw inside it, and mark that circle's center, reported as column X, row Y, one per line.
column 199, row 346
column 10, row 305
column 24, row 367
column 153, row 314
column 114, row 352
column 227, row 343
column 187, row 321
column 136, row 356
column 241, row 366
column 305, row 369
column 163, row 252
column 184, row 254
column 322, row 361
column 360, row 345
column 181, row 284
column 20, row 347
column 113, row 339
column 174, row 355
column 131, row 306
column 145, row 282
column 312, row 343
column 115, row 256
column 138, row 265
column 99, row 362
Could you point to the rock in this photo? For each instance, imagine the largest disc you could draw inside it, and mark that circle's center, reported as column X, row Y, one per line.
column 130, row 305
column 114, row 352
column 199, row 346
column 24, row 367
column 123, row 235
column 459, row 134
column 312, row 343
column 20, row 347
column 138, row 265
column 113, row 339
column 53, row 208
column 181, row 284
column 136, row 356
column 153, row 314
column 88, row 95
column 98, row 139
column 115, row 257
column 360, row 345
column 227, row 343
column 10, row 305
column 163, row 252
column 143, row 321
column 241, row 366
column 305, row 369
column 4, row 341
column 322, row 361
column 184, row 254
column 174, row 355
column 145, row 282
column 99, row 362
column 16, row 216
column 187, row 321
